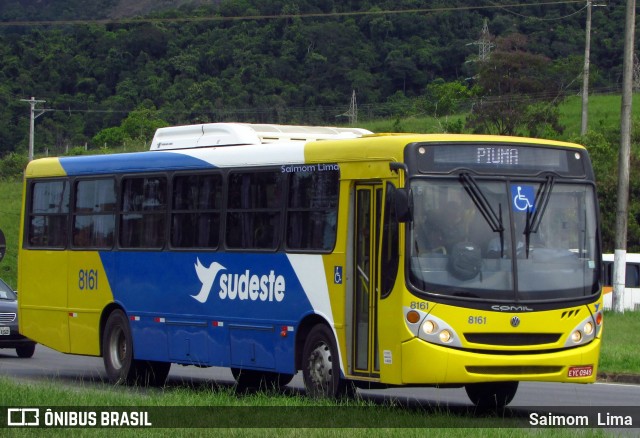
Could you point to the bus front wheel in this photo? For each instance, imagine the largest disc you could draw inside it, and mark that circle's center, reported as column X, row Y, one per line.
column 117, row 353
column 321, row 366
column 491, row 395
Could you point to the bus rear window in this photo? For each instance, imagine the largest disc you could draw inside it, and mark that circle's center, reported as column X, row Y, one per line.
column 48, row 214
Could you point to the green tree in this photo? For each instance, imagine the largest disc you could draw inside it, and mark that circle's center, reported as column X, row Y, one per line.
column 445, row 98
column 110, row 137
column 142, row 123
column 139, row 125
column 518, row 92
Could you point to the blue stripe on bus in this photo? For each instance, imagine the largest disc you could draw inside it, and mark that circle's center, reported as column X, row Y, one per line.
column 217, row 309
column 130, row 162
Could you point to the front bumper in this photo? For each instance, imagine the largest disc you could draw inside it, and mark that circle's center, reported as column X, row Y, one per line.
column 443, row 365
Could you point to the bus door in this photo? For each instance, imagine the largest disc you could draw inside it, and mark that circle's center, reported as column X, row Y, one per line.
column 368, row 216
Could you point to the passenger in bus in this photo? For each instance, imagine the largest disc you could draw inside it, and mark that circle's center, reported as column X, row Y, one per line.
column 427, row 235
column 438, row 231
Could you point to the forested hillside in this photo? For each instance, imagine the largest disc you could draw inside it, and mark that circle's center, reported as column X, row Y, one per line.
column 290, row 62
column 28, row 10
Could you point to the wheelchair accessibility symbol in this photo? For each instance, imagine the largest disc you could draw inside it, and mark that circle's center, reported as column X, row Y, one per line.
column 524, row 198
column 337, row 274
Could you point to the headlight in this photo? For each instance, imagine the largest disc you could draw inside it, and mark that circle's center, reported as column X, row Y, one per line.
column 436, row 331
column 588, row 328
column 429, row 327
column 445, row 336
column 582, row 333
column 576, row 336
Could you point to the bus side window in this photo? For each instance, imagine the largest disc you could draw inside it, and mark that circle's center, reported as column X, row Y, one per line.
column 143, row 210
column 195, row 215
column 312, row 210
column 607, row 273
column 48, row 214
column 254, row 209
column 390, row 242
column 94, row 213
column 631, row 273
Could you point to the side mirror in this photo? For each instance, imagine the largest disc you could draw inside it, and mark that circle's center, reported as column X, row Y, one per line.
column 403, row 205
column 3, row 245
column 402, row 195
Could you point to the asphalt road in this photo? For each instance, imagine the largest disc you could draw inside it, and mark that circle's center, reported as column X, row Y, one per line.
column 49, row 365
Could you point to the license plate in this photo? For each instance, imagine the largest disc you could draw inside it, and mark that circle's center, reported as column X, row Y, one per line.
column 5, row 331
column 585, row 371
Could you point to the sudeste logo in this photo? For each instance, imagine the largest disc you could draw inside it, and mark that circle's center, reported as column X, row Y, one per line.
column 241, row 286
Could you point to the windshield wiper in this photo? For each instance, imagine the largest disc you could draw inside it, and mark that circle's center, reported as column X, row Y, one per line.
column 533, row 219
column 488, row 213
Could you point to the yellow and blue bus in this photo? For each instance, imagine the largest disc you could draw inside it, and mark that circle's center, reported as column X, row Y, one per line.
column 361, row 260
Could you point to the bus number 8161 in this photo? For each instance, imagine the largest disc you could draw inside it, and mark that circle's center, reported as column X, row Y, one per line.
column 87, row 279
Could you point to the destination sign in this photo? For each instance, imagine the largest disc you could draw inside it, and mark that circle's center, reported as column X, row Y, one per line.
column 499, row 159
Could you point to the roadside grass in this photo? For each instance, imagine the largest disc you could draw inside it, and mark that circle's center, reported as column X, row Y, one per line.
column 280, row 414
column 603, row 116
column 604, row 113
column 416, row 124
column 621, row 337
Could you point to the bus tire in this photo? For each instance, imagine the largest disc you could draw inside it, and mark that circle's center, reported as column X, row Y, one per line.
column 117, row 350
column 491, row 395
column 260, row 380
column 321, row 366
column 26, row 351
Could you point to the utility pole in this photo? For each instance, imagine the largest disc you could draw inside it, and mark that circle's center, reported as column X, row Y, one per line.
column 620, row 255
column 585, row 73
column 34, row 115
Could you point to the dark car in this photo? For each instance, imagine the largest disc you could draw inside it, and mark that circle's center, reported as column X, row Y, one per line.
column 9, row 336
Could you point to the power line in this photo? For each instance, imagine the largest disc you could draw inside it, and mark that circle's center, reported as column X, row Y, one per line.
column 504, row 7
column 281, row 16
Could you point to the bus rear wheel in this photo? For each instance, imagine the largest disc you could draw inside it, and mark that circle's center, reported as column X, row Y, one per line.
column 321, row 366
column 491, row 395
column 117, row 353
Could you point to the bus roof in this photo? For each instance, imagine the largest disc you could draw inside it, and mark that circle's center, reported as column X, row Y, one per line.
column 233, row 134
column 256, row 145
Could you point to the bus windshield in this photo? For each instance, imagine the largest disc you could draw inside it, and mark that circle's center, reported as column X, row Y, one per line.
column 503, row 239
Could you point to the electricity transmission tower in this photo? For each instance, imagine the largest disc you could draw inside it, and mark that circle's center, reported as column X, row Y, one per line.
column 484, row 43
column 352, row 113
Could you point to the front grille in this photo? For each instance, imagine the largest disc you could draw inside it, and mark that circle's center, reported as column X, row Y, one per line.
column 6, row 318
column 512, row 339
column 514, row 370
